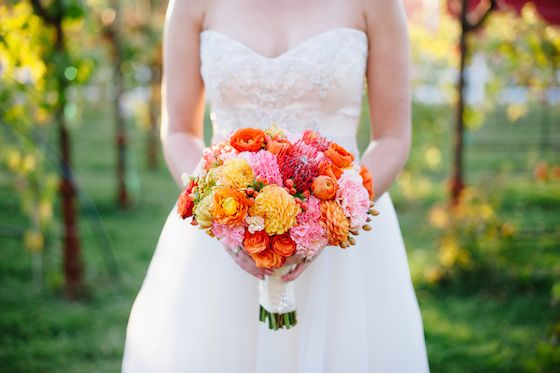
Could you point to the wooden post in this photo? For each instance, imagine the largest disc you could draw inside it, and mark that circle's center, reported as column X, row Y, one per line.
column 72, row 258
column 457, row 183
column 120, row 120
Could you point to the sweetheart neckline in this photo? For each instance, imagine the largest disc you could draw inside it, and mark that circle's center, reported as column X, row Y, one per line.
column 289, row 50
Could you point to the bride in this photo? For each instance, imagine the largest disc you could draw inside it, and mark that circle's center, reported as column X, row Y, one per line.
column 299, row 64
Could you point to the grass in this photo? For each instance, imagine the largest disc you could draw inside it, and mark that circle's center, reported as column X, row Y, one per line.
column 495, row 328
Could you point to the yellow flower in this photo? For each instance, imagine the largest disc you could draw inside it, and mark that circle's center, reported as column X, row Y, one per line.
column 277, row 207
column 203, row 211
column 237, row 173
column 230, row 206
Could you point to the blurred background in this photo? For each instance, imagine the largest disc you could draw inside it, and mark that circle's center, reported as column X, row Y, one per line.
column 84, row 191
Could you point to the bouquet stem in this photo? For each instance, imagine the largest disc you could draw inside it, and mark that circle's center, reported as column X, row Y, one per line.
column 278, row 320
column 277, row 301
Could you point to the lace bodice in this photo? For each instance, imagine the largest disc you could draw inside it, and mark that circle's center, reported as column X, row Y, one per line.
column 317, row 84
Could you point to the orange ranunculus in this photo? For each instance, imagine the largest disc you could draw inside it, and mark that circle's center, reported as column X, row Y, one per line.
column 340, row 156
column 257, row 242
column 248, row 139
column 275, row 146
column 283, row 245
column 328, row 168
column 230, row 206
column 324, row 187
column 268, row 259
column 368, row 181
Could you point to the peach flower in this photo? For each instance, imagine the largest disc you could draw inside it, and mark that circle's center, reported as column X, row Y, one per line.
column 324, row 187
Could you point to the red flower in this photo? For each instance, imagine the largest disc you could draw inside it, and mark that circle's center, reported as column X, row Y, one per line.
column 185, row 204
column 301, row 164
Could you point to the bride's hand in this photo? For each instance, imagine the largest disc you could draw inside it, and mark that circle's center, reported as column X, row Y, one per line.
column 301, row 265
column 247, row 264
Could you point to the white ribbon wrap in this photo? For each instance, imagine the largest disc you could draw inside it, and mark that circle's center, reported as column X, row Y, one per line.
column 275, row 295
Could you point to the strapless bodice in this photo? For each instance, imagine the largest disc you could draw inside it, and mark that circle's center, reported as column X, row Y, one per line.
column 318, row 84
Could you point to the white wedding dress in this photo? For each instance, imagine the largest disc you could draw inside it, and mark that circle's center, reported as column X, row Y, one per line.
column 197, row 310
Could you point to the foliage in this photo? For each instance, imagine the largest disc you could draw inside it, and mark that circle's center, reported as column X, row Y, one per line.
column 521, row 51
column 547, row 357
column 26, row 99
column 434, row 50
column 474, row 242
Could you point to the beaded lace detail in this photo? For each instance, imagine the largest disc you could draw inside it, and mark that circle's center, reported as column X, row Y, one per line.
column 318, row 84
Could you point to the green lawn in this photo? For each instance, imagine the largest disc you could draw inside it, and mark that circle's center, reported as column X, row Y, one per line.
column 469, row 328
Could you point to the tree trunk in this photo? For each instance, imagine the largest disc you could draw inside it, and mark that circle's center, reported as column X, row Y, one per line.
column 457, row 176
column 153, row 132
column 120, row 120
column 457, row 182
column 72, row 260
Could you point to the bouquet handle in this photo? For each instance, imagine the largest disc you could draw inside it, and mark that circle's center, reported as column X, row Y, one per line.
column 277, row 300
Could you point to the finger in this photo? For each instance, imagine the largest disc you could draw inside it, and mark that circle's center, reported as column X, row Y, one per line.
column 250, row 262
column 249, row 265
column 292, row 275
column 253, row 271
column 294, row 259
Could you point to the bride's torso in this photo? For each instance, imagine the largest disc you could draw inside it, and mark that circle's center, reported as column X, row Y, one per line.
column 315, row 83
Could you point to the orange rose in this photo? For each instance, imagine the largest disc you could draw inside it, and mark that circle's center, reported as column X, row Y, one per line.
column 324, row 187
column 340, row 156
column 268, row 259
column 230, row 206
column 275, row 146
column 283, row 245
column 329, row 169
column 368, row 181
column 248, row 139
column 257, row 242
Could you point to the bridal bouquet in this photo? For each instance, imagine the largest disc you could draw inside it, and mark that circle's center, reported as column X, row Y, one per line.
column 274, row 195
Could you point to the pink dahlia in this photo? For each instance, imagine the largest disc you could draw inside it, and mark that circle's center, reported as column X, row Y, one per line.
column 264, row 164
column 228, row 235
column 308, row 234
column 353, row 198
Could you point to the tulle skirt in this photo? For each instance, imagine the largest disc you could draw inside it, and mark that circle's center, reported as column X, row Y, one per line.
column 197, row 311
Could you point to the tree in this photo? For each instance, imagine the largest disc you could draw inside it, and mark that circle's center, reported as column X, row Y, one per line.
column 470, row 22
